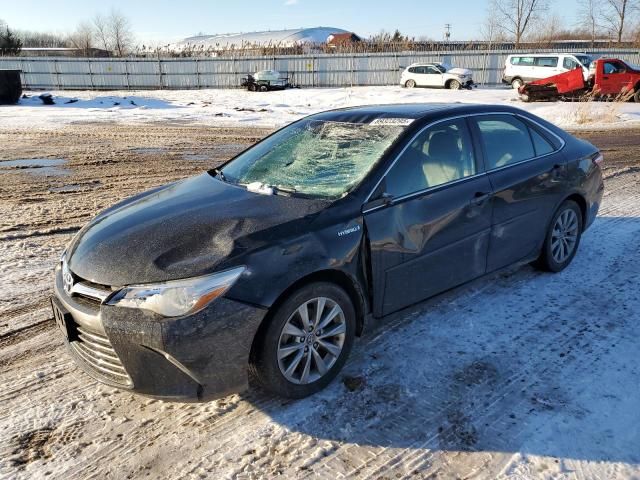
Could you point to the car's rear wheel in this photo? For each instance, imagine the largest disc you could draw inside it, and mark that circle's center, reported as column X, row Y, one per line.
column 516, row 83
column 563, row 238
column 454, row 85
column 410, row 83
column 307, row 341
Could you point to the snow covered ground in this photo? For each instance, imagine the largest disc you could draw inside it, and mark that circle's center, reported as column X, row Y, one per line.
column 520, row 375
column 239, row 107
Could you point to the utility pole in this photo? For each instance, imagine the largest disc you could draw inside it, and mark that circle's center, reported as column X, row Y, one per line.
column 447, row 31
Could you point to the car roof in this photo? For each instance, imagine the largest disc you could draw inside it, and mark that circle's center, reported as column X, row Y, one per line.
column 548, row 54
column 368, row 113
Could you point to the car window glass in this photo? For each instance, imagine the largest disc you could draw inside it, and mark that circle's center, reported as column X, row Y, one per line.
column 522, row 61
column 570, row 63
column 413, row 69
column 541, row 144
column 613, row 67
column 546, row 61
column 438, row 155
column 319, row 158
column 506, row 140
column 432, row 70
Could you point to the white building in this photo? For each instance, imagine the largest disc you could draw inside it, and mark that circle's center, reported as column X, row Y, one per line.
column 275, row 38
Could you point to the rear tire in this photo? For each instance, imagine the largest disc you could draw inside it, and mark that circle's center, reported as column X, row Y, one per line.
column 516, row 83
column 563, row 238
column 410, row 83
column 293, row 360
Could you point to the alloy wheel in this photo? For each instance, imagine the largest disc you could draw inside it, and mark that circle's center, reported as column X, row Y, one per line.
column 311, row 340
column 564, row 236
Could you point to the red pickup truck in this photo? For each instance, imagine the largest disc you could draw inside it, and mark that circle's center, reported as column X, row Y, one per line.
column 609, row 78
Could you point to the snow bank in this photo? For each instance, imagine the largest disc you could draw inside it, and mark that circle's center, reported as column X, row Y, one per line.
column 273, row 109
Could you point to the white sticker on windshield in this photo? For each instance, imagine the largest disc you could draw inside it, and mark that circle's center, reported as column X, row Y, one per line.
column 393, row 121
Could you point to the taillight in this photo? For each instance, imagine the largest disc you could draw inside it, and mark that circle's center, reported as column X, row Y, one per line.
column 598, row 159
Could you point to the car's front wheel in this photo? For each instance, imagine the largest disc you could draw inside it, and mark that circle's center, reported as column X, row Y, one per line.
column 454, row 85
column 410, row 84
column 563, row 238
column 306, row 342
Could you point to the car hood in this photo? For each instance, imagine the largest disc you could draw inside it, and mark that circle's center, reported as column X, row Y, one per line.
column 181, row 230
column 460, row 71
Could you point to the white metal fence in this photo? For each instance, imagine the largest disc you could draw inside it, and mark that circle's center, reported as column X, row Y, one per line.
column 325, row 70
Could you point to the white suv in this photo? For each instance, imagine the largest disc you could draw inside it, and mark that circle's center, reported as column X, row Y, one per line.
column 436, row 75
column 526, row 67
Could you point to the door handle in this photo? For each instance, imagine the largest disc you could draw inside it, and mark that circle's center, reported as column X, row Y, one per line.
column 479, row 198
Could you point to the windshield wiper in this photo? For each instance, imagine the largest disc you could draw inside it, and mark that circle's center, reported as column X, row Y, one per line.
column 277, row 190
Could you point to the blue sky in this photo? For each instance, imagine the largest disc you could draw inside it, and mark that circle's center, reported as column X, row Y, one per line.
column 166, row 20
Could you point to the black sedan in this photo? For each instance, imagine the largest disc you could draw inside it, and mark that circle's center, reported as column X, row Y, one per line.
column 270, row 266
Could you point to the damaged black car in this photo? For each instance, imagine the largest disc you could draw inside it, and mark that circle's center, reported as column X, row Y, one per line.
column 270, row 266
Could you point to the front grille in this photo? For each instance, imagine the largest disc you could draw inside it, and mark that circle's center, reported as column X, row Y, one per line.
column 96, row 352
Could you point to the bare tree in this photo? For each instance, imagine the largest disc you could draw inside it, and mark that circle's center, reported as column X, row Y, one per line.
column 101, row 31
column 589, row 13
column 517, row 15
column 617, row 14
column 121, row 33
column 491, row 30
column 113, row 33
column 83, row 38
column 549, row 29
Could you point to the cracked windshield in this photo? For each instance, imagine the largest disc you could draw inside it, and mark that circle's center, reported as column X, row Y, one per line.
column 316, row 158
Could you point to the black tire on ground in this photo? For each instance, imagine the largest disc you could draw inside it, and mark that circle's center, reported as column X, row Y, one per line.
column 454, row 85
column 252, row 87
column 636, row 96
column 546, row 260
column 264, row 88
column 264, row 365
column 516, row 83
column 10, row 87
column 410, row 83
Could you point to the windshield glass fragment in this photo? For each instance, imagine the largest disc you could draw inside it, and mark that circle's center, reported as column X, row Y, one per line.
column 314, row 157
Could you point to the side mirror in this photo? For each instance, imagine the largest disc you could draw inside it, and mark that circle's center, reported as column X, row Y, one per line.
column 382, row 201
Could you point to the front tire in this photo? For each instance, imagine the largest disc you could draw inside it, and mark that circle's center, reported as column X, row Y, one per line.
column 410, row 83
column 306, row 342
column 454, row 85
column 563, row 238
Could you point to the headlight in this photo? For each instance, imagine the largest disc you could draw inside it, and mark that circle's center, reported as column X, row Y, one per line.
column 177, row 297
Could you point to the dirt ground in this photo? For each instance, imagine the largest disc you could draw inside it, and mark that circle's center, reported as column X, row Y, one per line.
column 524, row 374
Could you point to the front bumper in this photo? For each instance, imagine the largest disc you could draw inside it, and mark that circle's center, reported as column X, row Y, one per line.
column 192, row 358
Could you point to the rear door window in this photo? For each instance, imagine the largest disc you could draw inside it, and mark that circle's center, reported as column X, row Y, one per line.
column 546, row 62
column 506, row 140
